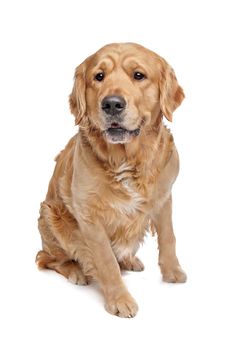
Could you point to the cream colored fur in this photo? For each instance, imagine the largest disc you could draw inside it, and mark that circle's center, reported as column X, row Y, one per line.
column 103, row 197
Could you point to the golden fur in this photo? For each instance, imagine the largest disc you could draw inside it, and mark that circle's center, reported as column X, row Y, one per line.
column 104, row 196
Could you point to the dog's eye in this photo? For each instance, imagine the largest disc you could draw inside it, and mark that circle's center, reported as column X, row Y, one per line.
column 99, row 76
column 139, row 76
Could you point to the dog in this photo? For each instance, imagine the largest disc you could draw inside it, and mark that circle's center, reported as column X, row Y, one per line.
column 112, row 182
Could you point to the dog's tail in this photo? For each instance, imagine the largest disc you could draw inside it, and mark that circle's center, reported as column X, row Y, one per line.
column 43, row 260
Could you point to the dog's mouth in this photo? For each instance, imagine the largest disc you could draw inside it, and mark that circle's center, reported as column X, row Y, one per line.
column 117, row 134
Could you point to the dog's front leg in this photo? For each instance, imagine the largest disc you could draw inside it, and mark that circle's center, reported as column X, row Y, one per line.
column 103, row 266
column 168, row 261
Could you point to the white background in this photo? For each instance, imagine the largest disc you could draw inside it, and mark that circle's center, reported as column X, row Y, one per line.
column 41, row 44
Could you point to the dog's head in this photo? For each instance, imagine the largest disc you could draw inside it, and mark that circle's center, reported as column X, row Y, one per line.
column 123, row 88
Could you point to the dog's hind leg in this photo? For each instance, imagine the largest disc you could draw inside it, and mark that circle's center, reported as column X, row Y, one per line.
column 68, row 268
column 54, row 224
column 131, row 263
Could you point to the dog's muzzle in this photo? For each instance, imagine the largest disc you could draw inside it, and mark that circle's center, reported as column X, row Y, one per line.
column 120, row 135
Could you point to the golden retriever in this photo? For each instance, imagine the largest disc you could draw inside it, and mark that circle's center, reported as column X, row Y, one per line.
column 112, row 182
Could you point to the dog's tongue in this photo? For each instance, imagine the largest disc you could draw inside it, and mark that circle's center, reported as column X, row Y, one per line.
column 115, row 126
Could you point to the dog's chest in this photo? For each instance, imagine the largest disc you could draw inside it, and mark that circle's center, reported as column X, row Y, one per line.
column 128, row 198
column 133, row 201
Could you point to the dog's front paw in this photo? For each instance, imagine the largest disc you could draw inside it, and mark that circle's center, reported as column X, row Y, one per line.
column 122, row 306
column 173, row 274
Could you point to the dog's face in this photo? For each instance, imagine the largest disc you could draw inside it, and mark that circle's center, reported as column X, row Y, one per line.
column 123, row 88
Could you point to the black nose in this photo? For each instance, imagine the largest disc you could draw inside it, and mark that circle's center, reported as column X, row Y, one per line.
column 113, row 105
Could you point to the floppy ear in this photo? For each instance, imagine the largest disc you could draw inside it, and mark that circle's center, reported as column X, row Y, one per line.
column 171, row 94
column 77, row 97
